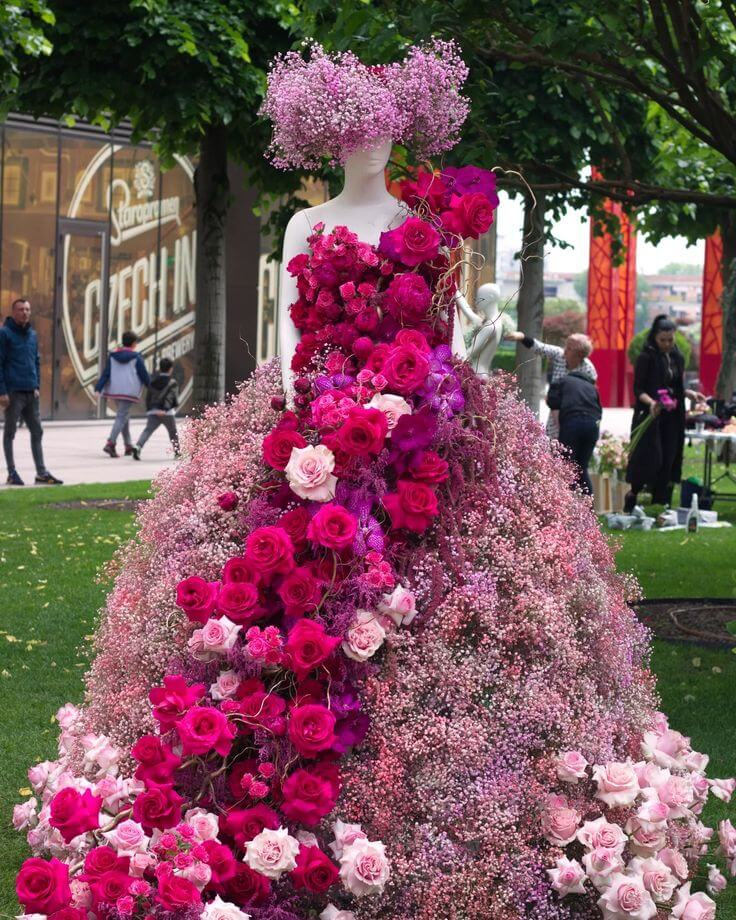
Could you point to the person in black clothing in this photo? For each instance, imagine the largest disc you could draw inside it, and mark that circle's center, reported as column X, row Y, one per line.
column 656, row 462
column 162, row 398
column 576, row 398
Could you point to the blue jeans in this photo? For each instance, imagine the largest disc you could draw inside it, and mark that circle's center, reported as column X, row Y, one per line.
column 579, row 434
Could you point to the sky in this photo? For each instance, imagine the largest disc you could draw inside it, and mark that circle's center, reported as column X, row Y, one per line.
column 649, row 258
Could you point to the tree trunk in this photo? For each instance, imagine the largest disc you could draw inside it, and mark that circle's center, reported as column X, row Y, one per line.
column 212, row 199
column 726, row 382
column 530, row 305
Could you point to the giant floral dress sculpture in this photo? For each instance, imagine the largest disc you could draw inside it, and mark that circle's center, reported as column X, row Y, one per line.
column 368, row 657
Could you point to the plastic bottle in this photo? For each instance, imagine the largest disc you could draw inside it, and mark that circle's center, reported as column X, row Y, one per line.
column 693, row 516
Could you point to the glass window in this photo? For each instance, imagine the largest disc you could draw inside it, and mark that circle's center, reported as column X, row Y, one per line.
column 85, row 177
column 29, row 191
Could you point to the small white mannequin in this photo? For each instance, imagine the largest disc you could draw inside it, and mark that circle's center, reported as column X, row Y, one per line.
column 364, row 206
column 487, row 324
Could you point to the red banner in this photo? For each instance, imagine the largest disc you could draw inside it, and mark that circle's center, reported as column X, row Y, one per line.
column 711, row 321
column 611, row 306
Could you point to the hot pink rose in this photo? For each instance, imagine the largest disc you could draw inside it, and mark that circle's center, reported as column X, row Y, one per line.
column 308, row 646
column 364, row 867
column 300, row 591
column 307, row 797
column 408, row 298
column 204, row 729
column 333, row 527
column 159, row 807
column 309, row 473
column 627, row 899
column 239, row 601
column 414, row 242
column 270, row 550
column 73, row 813
column 43, row 886
column 413, row 506
column 469, row 215
column 197, row 597
column 176, row 893
column 228, row 501
column 311, row 729
column 559, row 820
column 693, row 906
column 428, row 467
column 241, row 570
column 107, row 888
column 243, row 824
column 571, row 766
column 173, row 699
column 568, row 877
column 364, row 637
column 617, row 784
column 278, row 445
column 363, row 432
column 314, row 870
column 405, row 369
column 272, row 853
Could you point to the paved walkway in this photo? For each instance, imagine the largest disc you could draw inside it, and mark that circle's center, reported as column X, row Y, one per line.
column 73, row 450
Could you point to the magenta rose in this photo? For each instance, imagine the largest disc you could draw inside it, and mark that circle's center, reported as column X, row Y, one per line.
column 311, row 729
column 307, row 797
column 239, row 602
column 428, row 467
column 300, row 592
column 110, row 886
column 308, row 646
column 73, row 813
column 175, row 893
column 412, row 506
column 248, row 887
column 363, row 432
column 204, row 729
column 228, row 501
column 102, row 860
column 69, row 913
column 270, row 550
column 239, row 569
column 295, row 523
column 262, row 710
column 172, row 700
column 197, row 597
column 278, row 445
column 159, row 807
column 406, row 369
column 333, row 527
column 243, row 824
column 469, row 215
column 43, row 887
column 314, row 871
column 221, row 861
column 408, row 298
column 157, row 762
column 414, row 242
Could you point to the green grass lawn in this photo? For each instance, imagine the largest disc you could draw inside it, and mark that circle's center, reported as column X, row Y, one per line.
column 49, row 599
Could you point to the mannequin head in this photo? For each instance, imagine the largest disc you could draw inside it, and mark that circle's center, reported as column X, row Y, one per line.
column 487, row 298
column 369, row 161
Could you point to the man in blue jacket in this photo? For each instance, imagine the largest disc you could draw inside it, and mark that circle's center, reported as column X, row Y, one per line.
column 20, row 379
column 123, row 379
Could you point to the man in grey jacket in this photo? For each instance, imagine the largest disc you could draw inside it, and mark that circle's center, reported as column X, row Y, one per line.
column 20, row 381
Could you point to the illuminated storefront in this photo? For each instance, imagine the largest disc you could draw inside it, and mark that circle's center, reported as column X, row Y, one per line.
column 100, row 240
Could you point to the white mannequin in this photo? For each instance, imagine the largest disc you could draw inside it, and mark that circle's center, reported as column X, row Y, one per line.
column 487, row 323
column 364, row 206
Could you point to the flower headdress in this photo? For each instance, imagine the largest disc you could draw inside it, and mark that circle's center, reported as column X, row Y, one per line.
column 328, row 105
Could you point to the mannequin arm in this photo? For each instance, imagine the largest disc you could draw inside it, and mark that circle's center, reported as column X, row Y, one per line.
column 295, row 242
column 475, row 318
column 458, row 342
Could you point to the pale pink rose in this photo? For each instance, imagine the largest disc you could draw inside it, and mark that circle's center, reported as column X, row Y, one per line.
column 100, row 755
column 81, row 893
column 667, row 749
column 559, row 820
column 677, row 794
column 333, row 913
column 723, row 789
column 30, row 917
column 225, row 686
column 643, row 841
column 617, row 783
column 307, row 839
column 24, row 814
column 568, row 877
column 674, row 861
column 309, row 472
column 693, row 906
column 652, row 813
column 716, row 880
column 601, row 833
column 364, row 867
column 650, row 775
column 204, row 824
column 601, row 865
column 215, row 638
column 198, row 874
column 364, row 637
column 139, row 862
column 67, row 716
column 626, row 899
column 696, row 762
column 223, row 910
column 571, row 766
column 38, row 775
column 400, row 605
column 272, row 852
column 658, row 878
column 345, row 835
column 701, row 788
column 128, row 838
column 393, row 407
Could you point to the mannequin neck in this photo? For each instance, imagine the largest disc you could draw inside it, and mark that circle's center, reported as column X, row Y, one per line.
column 363, row 189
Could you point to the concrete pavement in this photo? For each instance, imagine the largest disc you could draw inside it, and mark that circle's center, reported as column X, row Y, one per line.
column 73, row 450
